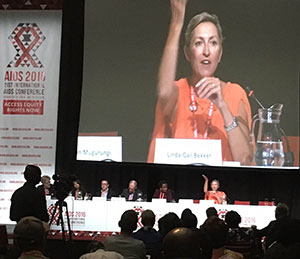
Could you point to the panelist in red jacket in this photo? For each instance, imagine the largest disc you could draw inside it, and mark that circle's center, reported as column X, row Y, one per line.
column 163, row 192
column 218, row 196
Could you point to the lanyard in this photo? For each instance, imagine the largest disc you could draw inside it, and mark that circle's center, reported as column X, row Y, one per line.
column 193, row 108
column 161, row 195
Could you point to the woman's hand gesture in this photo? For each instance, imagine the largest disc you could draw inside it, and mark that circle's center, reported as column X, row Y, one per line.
column 205, row 177
column 205, row 186
column 178, row 10
column 210, row 88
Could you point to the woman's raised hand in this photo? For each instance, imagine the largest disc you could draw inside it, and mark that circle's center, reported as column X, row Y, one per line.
column 205, row 186
column 178, row 10
column 205, row 177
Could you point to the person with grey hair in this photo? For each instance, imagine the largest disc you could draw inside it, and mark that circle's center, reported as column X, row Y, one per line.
column 182, row 242
column 30, row 237
column 46, row 187
column 200, row 106
column 132, row 193
column 96, row 250
column 271, row 232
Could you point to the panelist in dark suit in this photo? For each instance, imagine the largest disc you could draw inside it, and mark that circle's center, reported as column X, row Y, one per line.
column 163, row 192
column 46, row 187
column 132, row 193
column 105, row 191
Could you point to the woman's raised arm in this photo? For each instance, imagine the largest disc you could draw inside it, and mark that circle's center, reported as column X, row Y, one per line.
column 205, row 186
column 167, row 91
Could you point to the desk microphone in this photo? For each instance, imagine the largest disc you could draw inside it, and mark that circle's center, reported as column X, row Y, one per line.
column 289, row 155
column 252, row 95
column 227, row 199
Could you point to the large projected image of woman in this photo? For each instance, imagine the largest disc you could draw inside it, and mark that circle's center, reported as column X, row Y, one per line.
column 200, row 106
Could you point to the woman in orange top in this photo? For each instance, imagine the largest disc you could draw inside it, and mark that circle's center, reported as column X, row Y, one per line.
column 218, row 196
column 200, row 106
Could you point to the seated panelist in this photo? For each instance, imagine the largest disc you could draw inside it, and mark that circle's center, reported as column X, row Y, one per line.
column 163, row 192
column 105, row 190
column 132, row 193
column 46, row 187
column 77, row 190
column 218, row 196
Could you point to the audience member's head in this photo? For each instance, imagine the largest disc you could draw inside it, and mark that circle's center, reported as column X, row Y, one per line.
column 233, row 219
column 148, row 218
column 281, row 211
column 211, row 211
column 30, row 234
column 163, row 186
column 128, row 222
column 168, row 222
column 132, row 186
column 188, row 219
column 205, row 244
column 216, row 230
column 46, row 181
column 93, row 246
column 104, row 185
column 186, row 211
column 181, row 243
column 32, row 174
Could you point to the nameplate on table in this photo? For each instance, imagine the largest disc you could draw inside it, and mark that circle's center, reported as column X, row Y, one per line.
column 99, row 199
column 118, row 199
column 208, row 203
column 99, row 148
column 186, row 201
column 188, row 151
column 158, row 201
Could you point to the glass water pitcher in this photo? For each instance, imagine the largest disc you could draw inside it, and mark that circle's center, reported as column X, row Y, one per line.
column 269, row 148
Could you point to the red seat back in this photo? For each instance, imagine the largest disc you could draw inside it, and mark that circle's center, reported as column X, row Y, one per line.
column 242, row 202
column 266, row 203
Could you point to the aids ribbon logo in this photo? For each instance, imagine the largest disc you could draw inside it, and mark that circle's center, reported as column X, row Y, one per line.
column 26, row 39
column 139, row 210
column 222, row 213
column 56, row 215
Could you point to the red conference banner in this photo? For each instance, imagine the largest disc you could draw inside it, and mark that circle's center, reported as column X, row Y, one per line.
column 23, row 107
column 30, row 43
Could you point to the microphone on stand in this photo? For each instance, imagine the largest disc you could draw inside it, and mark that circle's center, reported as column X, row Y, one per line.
column 289, row 155
column 228, row 199
column 252, row 95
